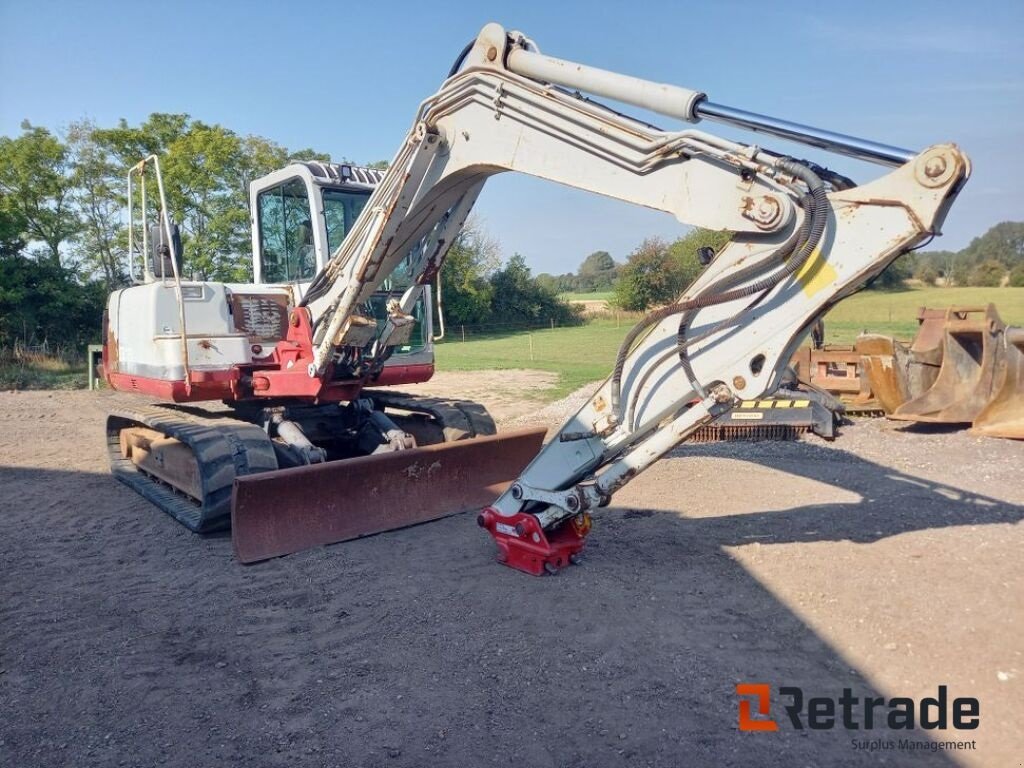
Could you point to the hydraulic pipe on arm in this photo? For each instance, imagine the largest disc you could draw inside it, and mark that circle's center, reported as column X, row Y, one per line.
column 800, row 243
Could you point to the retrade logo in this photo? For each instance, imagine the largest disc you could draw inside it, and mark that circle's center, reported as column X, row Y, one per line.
column 853, row 712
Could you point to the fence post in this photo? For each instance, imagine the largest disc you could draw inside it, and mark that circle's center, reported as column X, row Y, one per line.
column 552, row 323
column 531, row 344
column 463, row 333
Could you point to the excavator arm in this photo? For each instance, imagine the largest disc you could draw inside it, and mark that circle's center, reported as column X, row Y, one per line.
column 803, row 238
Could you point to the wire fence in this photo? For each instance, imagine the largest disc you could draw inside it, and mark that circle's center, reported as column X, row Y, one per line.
column 459, row 332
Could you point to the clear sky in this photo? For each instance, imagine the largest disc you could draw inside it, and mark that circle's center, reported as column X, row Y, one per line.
column 346, row 77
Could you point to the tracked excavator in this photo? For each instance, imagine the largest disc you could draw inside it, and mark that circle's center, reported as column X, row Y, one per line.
column 311, row 444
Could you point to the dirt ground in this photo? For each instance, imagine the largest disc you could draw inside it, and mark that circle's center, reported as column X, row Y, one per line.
column 888, row 562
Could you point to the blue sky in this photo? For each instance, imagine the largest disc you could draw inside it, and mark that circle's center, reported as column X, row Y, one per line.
column 346, row 78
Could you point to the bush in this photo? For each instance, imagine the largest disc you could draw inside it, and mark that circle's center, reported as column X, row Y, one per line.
column 893, row 277
column 988, row 274
column 648, row 278
column 927, row 274
column 517, row 298
column 1017, row 276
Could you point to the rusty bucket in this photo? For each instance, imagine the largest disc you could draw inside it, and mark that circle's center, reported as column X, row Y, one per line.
column 1004, row 414
column 972, row 354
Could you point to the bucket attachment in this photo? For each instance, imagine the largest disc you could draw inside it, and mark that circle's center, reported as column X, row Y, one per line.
column 972, row 352
column 1004, row 414
column 288, row 510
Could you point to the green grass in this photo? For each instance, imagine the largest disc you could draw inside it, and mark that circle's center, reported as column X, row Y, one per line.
column 895, row 314
column 595, row 296
column 586, row 353
column 578, row 355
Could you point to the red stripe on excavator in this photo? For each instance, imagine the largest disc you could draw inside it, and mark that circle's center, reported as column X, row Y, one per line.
column 221, row 385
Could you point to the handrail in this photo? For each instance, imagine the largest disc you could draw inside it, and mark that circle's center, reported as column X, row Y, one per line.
column 139, row 169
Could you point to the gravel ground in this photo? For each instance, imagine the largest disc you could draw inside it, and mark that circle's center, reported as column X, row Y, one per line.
column 887, row 562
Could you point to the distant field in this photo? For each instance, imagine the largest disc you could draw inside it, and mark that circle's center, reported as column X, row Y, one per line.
column 583, row 354
column 595, row 296
column 895, row 314
column 577, row 355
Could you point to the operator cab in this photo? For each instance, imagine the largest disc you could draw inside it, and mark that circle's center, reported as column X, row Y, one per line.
column 301, row 214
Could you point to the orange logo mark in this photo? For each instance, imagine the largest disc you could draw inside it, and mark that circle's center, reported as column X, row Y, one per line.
column 762, row 692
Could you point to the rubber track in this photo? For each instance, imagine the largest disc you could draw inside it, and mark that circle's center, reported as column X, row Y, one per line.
column 224, row 448
column 460, row 419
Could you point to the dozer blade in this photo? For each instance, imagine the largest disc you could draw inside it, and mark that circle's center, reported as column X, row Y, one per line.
column 288, row 510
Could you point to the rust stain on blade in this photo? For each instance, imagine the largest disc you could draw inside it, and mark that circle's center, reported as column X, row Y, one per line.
column 277, row 513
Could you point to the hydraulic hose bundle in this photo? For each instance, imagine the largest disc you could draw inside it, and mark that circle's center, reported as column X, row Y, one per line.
column 794, row 253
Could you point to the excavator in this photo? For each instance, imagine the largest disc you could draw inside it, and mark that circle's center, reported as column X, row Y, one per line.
column 310, row 444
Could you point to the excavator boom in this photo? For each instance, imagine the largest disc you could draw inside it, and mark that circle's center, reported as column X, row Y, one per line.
column 803, row 238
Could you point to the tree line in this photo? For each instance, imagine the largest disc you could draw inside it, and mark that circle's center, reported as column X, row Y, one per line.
column 990, row 260
column 63, row 233
column 63, row 237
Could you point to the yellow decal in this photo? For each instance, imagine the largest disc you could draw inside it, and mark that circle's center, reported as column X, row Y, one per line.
column 816, row 274
column 801, row 403
column 748, row 404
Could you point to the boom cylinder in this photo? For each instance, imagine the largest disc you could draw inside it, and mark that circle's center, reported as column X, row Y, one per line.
column 693, row 106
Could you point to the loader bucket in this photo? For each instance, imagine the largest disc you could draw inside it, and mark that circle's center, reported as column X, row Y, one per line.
column 971, row 357
column 288, row 510
column 1004, row 414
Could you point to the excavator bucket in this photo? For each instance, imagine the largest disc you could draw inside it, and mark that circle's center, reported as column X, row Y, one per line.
column 288, row 510
column 971, row 358
column 1004, row 414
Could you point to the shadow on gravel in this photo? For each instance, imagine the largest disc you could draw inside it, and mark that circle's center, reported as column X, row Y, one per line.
column 124, row 637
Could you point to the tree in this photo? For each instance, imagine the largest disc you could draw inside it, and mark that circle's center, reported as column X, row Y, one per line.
column 649, row 277
column 597, row 273
column 685, row 252
column 987, row 274
column 657, row 273
column 466, row 290
column 519, row 299
column 1003, row 243
column 1017, row 276
column 893, row 277
column 36, row 181
column 98, row 197
column 42, row 301
column 12, row 226
column 927, row 273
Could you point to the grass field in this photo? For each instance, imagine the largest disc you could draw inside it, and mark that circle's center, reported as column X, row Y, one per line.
column 595, row 296
column 583, row 354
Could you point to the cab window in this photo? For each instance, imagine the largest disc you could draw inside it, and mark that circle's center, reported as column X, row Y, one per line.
column 341, row 209
column 286, row 233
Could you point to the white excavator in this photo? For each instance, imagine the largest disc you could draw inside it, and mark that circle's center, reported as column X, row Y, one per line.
column 314, row 447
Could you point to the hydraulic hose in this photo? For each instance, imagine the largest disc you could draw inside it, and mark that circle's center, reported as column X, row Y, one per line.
column 817, row 213
column 461, row 58
column 815, row 205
